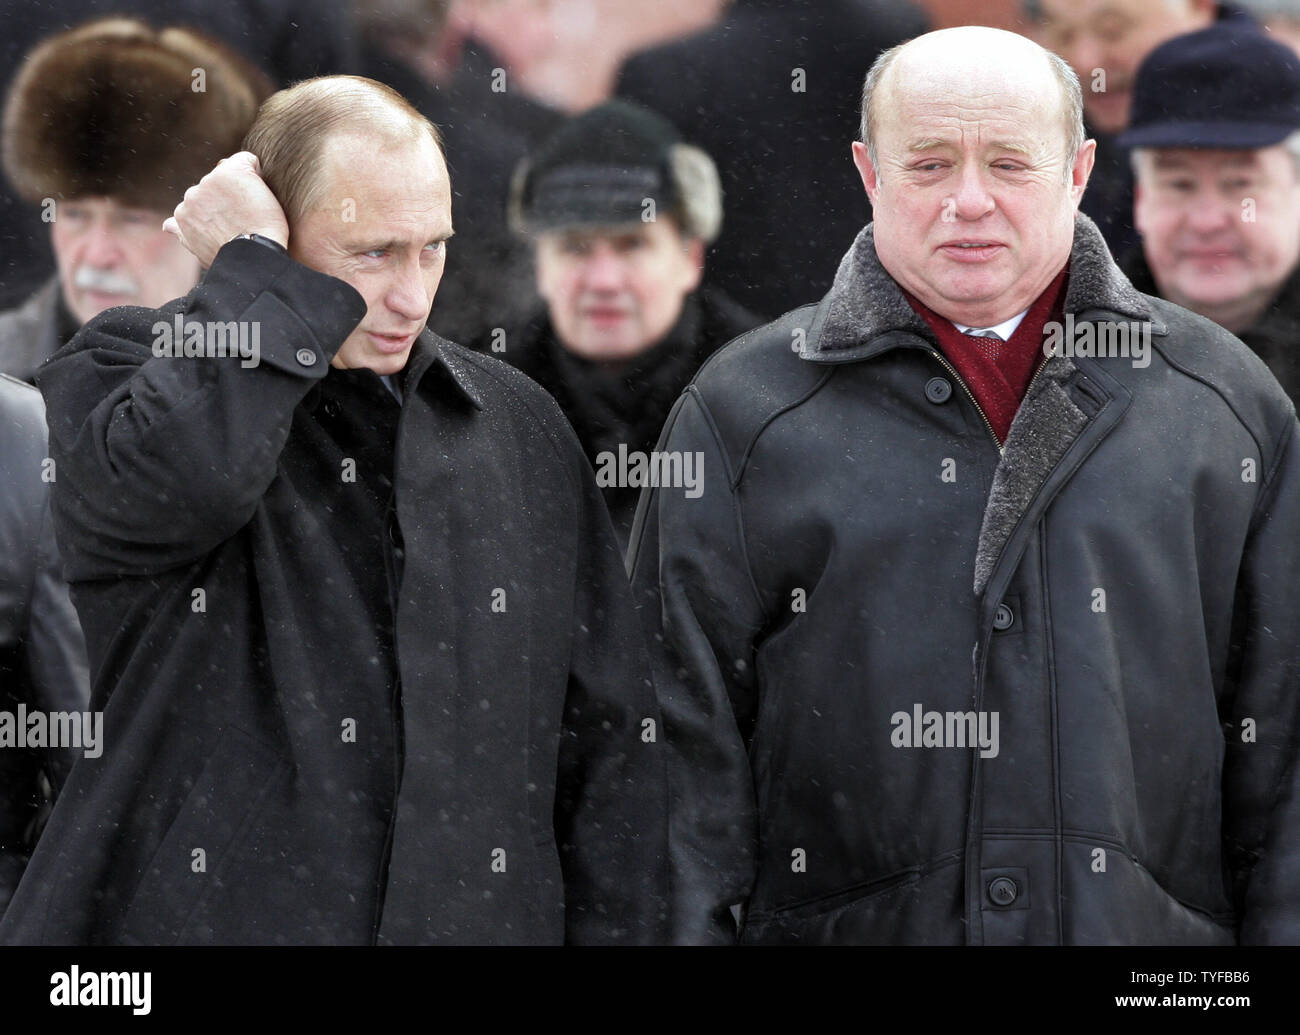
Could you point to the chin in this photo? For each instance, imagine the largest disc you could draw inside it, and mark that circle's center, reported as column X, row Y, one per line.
column 606, row 351
column 1217, row 292
column 388, row 364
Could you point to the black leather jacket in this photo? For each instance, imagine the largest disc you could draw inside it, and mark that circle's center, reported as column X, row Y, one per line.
column 1118, row 585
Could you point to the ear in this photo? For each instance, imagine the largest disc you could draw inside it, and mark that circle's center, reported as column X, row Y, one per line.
column 694, row 248
column 1082, row 170
column 545, row 267
column 1139, row 207
column 866, row 170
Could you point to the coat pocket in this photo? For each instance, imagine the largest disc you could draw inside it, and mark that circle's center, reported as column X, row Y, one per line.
column 196, row 854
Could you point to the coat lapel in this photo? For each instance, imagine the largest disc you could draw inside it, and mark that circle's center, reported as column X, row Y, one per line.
column 431, row 351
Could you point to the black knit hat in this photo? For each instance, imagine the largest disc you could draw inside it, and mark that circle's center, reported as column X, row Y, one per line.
column 600, row 168
column 1221, row 87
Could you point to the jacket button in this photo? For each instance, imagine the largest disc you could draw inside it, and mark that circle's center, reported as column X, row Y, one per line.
column 306, row 357
column 1002, row 891
column 938, row 390
column 1003, row 618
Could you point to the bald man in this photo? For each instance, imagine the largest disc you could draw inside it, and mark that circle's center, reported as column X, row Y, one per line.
column 983, row 629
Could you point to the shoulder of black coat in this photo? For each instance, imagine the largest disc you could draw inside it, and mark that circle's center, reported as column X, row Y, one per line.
column 1201, row 350
column 750, row 383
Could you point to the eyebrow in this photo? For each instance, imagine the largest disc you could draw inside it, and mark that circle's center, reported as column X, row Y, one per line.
column 390, row 245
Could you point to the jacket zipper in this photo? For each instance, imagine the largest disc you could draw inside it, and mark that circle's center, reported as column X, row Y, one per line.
column 969, row 395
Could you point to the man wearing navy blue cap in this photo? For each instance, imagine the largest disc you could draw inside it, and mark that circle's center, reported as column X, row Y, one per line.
column 1216, row 152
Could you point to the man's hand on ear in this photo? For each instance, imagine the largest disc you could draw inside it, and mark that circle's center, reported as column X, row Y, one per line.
column 232, row 199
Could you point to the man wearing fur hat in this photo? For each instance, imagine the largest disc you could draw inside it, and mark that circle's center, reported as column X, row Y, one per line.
column 619, row 211
column 986, row 626
column 105, row 127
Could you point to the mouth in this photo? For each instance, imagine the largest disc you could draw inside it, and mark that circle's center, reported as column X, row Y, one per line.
column 108, row 297
column 1211, row 254
column 971, row 250
column 605, row 314
column 391, row 344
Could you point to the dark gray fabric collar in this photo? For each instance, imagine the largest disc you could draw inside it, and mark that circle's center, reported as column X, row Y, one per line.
column 865, row 313
column 30, row 334
column 865, row 304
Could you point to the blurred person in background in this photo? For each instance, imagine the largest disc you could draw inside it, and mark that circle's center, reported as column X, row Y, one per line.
column 1105, row 41
column 624, row 323
column 104, row 128
column 768, row 92
column 286, row 40
column 1215, row 138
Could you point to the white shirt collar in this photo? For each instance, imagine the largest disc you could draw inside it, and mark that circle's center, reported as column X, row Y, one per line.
column 1004, row 330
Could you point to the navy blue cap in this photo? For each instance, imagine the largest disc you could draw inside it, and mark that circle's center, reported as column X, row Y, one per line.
column 1228, row 86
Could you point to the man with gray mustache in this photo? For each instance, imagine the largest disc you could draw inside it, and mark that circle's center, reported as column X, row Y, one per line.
column 105, row 205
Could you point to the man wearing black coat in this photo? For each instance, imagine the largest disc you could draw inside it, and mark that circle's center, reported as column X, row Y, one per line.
column 985, row 629
column 358, row 622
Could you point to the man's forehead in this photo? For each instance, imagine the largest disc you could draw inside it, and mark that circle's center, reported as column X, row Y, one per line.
column 111, row 203
column 971, row 77
column 357, row 161
column 934, row 112
column 599, row 231
column 1075, row 12
column 1210, row 157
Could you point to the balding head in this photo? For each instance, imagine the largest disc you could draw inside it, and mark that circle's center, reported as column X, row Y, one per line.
column 973, row 177
column 295, row 127
column 956, row 60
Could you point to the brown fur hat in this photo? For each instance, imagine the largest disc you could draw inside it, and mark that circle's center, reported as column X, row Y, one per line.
column 114, row 108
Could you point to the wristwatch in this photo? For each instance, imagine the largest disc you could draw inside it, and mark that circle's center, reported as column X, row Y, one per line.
column 262, row 240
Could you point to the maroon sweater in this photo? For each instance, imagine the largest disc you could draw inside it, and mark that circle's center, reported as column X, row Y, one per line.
column 999, row 385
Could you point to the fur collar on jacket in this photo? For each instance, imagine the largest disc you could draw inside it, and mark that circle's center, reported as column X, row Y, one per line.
column 865, row 305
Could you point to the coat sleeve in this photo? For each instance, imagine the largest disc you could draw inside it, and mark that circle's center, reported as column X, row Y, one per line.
column 1261, row 795
column 702, row 613
column 51, row 674
column 55, row 648
column 160, row 458
column 611, row 811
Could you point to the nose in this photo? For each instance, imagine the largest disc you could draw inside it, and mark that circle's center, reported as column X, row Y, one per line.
column 407, row 294
column 100, row 247
column 972, row 199
column 1086, row 55
column 603, row 270
column 1209, row 213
